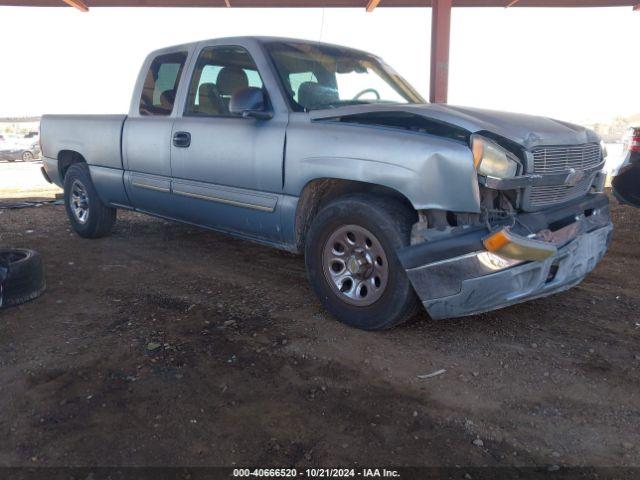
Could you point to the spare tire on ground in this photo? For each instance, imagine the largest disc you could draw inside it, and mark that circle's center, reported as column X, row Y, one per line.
column 21, row 276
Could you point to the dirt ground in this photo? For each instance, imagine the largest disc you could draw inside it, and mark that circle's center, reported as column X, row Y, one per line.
column 169, row 345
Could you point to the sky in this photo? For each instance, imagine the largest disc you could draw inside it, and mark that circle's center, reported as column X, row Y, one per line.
column 579, row 65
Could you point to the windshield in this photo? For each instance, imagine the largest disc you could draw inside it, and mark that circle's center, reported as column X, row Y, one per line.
column 317, row 77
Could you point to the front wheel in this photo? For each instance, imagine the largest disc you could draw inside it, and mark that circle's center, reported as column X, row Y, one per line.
column 350, row 254
column 27, row 157
column 89, row 217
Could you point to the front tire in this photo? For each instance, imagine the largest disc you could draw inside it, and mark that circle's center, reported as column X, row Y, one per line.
column 350, row 254
column 89, row 217
column 27, row 157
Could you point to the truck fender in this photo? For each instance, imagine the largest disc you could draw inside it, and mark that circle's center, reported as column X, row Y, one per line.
column 437, row 182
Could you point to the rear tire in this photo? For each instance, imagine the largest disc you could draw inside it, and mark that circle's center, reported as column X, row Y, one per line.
column 21, row 276
column 351, row 260
column 89, row 217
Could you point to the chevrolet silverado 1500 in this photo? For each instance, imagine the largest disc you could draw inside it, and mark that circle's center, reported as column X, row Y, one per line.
column 327, row 151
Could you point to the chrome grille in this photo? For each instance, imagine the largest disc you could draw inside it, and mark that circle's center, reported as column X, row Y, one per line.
column 561, row 158
column 558, row 159
column 545, row 195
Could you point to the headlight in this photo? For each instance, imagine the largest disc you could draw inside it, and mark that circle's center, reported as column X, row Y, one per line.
column 491, row 160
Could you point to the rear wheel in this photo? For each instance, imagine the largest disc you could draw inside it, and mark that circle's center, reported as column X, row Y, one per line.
column 352, row 264
column 27, row 157
column 89, row 217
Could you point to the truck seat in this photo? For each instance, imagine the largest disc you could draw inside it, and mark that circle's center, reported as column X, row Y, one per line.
column 230, row 79
column 167, row 99
column 209, row 101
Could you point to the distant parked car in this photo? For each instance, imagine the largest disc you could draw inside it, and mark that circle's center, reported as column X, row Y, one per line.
column 26, row 150
column 626, row 184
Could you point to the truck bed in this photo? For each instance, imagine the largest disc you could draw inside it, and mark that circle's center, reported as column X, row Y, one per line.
column 96, row 137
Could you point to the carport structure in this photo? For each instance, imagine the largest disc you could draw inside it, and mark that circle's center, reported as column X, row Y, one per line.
column 440, row 17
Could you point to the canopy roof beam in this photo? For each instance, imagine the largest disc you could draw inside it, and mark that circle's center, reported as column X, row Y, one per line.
column 372, row 4
column 319, row 3
column 440, row 38
column 79, row 4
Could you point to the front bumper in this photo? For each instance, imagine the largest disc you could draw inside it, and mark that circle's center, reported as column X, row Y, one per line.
column 471, row 281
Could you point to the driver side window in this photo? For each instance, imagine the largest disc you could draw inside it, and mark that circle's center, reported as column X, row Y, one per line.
column 219, row 73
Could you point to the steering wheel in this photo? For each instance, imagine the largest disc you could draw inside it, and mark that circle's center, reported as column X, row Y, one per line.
column 365, row 91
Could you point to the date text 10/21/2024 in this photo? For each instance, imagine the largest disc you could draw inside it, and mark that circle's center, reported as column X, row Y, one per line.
column 317, row 473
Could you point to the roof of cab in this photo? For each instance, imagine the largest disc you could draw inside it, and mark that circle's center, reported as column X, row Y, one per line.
column 259, row 39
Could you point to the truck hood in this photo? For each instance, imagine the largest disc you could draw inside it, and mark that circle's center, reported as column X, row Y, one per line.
column 528, row 131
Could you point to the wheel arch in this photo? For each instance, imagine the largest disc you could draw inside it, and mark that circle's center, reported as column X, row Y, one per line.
column 66, row 158
column 318, row 192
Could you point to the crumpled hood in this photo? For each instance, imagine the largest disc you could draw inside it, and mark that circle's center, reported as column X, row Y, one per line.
column 526, row 130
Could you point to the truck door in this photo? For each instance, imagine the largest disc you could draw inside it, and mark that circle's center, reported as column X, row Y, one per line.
column 146, row 138
column 226, row 169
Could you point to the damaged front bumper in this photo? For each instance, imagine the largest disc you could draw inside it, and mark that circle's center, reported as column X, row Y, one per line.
column 456, row 276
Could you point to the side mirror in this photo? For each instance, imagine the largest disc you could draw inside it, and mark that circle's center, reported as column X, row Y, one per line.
column 249, row 102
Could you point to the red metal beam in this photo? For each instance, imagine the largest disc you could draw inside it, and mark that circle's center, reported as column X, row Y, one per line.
column 636, row 8
column 323, row 3
column 79, row 4
column 440, row 37
column 372, row 4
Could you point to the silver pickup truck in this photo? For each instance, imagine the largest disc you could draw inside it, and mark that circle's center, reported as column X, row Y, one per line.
column 327, row 151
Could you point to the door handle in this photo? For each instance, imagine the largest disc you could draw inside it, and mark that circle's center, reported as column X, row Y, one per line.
column 181, row 139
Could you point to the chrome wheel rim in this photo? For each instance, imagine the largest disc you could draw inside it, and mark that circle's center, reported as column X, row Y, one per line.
column 27, row 157
column 79, row 202
column 355, row 265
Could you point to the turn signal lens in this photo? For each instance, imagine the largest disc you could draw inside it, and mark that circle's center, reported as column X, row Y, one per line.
column 510, row 245
column 496, row 242
column 478, row 150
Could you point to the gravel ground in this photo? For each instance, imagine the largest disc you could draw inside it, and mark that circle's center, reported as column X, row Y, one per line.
column 168, row 345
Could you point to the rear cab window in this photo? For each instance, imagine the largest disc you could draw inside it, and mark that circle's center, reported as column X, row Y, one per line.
column 161, row 84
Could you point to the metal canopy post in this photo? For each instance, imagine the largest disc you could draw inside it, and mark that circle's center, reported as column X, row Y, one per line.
column 440, row 38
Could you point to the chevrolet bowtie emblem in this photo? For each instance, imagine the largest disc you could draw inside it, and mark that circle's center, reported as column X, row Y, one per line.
column 573, row 177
